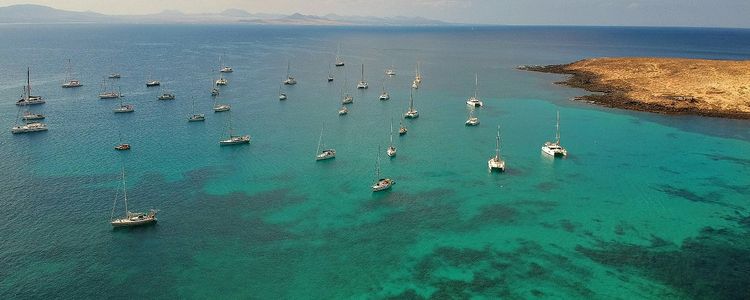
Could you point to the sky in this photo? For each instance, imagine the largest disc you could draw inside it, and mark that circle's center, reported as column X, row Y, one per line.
column 718, row 13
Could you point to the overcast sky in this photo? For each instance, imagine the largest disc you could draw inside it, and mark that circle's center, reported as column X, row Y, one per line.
column 718, row 13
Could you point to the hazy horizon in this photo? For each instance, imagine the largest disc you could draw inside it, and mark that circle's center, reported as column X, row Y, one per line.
column 722, row 13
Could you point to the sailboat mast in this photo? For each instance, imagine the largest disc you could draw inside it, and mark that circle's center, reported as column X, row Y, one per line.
column 411, row 100
column 124, row 192
column 363, row 72
column 288, row 66
column 497, row 143
column 320, row 139
column 557, row 128
column 476, row 85
column 28, row 84
column 391, row 132
column 377, row 165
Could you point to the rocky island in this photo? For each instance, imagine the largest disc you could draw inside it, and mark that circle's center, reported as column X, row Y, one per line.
column 716, row 88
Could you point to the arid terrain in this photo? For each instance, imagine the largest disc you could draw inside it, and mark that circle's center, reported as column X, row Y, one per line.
column 717, row 88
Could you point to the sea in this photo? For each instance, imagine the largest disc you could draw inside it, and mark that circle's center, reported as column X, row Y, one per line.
column 645, row 206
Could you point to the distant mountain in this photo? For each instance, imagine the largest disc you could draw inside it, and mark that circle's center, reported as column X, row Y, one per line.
column 45, row 14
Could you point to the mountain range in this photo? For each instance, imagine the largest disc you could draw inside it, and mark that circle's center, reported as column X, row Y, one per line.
column 27, row 14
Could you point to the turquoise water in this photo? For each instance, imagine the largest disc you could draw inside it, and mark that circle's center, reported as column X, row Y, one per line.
column 645, row 206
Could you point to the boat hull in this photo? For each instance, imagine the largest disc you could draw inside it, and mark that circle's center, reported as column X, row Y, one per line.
column 119, row 223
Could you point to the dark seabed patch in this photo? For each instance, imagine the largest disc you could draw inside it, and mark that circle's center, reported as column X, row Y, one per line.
column 713, row 265
column 711, row 198
column 500, row 274
column 735, row 160
column 546, row 186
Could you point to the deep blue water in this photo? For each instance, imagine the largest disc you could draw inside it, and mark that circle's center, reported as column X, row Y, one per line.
column 645, row 206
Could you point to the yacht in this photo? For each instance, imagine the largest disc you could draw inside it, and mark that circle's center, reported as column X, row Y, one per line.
column 362, row 84
column 234, row 139
column 289, row 78
column 496, row 163
column 131, row 219
column 348, row 99
column 381, row 184
column 166, row 95
column 108, row 94
column 325, row 153
column 402, row 129
column 222, row 107
column 474, row 100
column 28, row 116
column 152, row 82
column 282, row 95
column 124, row 108
column 391, row 151
column 390, row 71
column 27, row 98
column 554, row 149
column 224, row 68
column 412, row 113
column 69, row 81
column 472, row 120
column 384, row 94
column 29, row 127
column 417, row 79
column 114, row 76
column 339, row 60
column 330, row 75
column 343, row 111
column 195, row 117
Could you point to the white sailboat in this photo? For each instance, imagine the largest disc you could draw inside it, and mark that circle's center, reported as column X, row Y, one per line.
column 108, row 94
column 411, row 113
column 29, row 116
column 343, row 110
column 472, row 120
column 152, row 82
column 282, row 95
column 289, row 78
column 234, row 139
column 214, row 89
column 325, row 153
column 554, row 149
column 70, row 82
column 391, row 151
column 166, row 95
column 384, row 94
column 496, row 163
column 401, row 128
column 330, row 75
column 339, row 61
column 28, row 126
column 221, row 107
column 130, row 219
column 123, row 108
column 122, row 146
column 390, row 71
column 417, row 79
column 196, row 117
column 27, row 98
column 224, row 68
column 362, row 84
column 381, row 184
column 222, row 80
column 346, row 97
column 474, row 100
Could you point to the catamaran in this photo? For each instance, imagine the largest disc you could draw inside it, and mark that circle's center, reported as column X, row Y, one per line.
column 381, row 184
column 222, row 80
column 384, row 94
column 69, row 81
column 224, row 68
column 330, row 75
column 196, row 117
column 166, row 95
column 130, row 219
column 343, row 111
column 474, row 100
column 554, row 149
column 108, row 94
column 473, row 120
column 402, row 129
column 325, row 153
column 496, row 163
column 391, row 151
column 390, row 71
column 27, row 98
column 282, row 95
column 234, row 139
column 339, row 60
column 362, row 84
column 412, row 113
column 289, row 78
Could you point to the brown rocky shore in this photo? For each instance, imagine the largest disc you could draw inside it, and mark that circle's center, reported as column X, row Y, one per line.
column 715, row 88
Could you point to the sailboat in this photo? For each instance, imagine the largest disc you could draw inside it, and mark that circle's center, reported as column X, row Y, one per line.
column 362, row 84
column 343, row 110
column 152, row 82
column 472, row 120
column 107, row 94
column 221, row 80
column 221, row 107
column 381, row 184
column 27, row 98
column 330, row 75
column 339, row 60
column 224, row 68
column 384, row 94
column 554, row 149
column 29, row 116
column 196, row 117
column 27, row 126
column 474, row 100
column 391, row 148
column 417, row 78
column 289, row 78
column 401, row 128
column 495, row 162
column 214, row 89
column 166, row 95
column 346, row 98
column 282, row 95
column 390, row 71
column 412, row 113
column 326, row 153
column 131, row 219
column 122, row 146
column 69, row 81
column 124, row 108
column 234, row 139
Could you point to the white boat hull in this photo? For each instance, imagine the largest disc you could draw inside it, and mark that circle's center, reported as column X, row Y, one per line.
column 382, row 185
column 132, row 222
column 496, row 165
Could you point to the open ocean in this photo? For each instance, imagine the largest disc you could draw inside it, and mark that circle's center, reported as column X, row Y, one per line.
column 644, row 207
